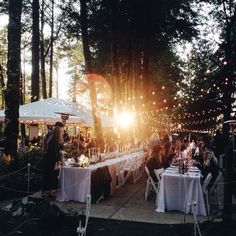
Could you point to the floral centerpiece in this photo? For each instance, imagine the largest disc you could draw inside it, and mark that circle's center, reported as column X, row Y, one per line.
column 83, row 161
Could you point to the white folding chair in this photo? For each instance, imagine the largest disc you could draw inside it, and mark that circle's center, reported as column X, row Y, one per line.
column 137, row 170
column 150, row 184
column 158, row 173
column 81, row 230
column 221, row 157
column 205, row 191
column 128, row 168
column 215, row 188
column 120, row 174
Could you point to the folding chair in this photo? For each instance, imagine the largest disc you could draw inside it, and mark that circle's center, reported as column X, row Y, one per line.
column 215, row 188
column 158, row 173
column 205, row 191
column 150, row 184
column 81, row 230
column 137, row 170
column 128, row 169
column 120, row 174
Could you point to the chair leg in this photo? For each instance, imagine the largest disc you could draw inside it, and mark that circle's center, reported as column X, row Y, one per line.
column 218, row 196
column 147, row 190
column 208, row 205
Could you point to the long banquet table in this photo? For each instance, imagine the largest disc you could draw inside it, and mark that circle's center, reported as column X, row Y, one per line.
column 179, row 191
column 75, row 182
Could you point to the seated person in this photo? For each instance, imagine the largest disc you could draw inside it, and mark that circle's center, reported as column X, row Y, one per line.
column 168, row 155
column 154, row 161
column 210, row 164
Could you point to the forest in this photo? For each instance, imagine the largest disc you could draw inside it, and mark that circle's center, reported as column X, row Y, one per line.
column 172, row 65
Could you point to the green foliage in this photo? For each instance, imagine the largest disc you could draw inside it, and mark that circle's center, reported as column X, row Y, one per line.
column 208, row 89
column 34, row 156
column 135, row 25
column 14, row 184
column 36, row 217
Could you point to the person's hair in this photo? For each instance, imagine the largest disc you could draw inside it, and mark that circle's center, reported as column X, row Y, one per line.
column 167, row 147
column 57, row 133
column 58, row 123
column 156, row 151
column 208, row 156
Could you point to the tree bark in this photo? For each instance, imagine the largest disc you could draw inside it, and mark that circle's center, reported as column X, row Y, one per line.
column 42, row 52
column 22, row 126
column 51, row 52
column 35, row 53
column 12, row 92
column 74, row 89
column 228, row 174
column 90, row 76
column 114, row 53
column 227, row 99
column 146, row 55
column 2, row 86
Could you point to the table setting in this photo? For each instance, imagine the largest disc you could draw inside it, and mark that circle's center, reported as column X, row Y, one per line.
column 180, row 186
column 75, row 175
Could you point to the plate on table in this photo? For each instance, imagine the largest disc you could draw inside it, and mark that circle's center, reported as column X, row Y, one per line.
column 173, row 164
column 75, row 165
column 173, row 171
column 193, row 169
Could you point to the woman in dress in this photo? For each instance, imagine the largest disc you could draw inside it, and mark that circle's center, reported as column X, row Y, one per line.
column 52, row 162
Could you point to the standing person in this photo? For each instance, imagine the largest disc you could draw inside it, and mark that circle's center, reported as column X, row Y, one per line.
column 46, row 138
column 218, row 144
column 52, row 163
column 169, row 154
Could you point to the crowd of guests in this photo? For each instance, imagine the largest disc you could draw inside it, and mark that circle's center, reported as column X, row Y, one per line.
column 161, row 152
column 205, row 153
column 55, row 142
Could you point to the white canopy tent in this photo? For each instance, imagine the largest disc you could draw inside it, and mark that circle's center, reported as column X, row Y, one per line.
column 48, row 111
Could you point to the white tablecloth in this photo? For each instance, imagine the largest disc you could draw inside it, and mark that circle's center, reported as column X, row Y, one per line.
column 75, row 182
column 178, row 192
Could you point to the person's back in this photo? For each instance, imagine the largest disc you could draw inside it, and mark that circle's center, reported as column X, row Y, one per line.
column 51, row 160
column 153, row 164
column 218, row 144
column 46, row 139
column 154, row 161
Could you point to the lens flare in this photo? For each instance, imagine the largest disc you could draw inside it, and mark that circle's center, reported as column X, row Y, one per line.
column 125, row 119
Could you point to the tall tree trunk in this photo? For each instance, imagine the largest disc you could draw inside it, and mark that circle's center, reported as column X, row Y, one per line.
column 42, row 52
column 12, row 92
column 35, row 53
column 2, row 84
column 146, row 54
column 51, row 52
column 90, row 76
column 74, row 87
column 114, row 53
column 228, row 176
column 227, row 99
column 22, row 126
